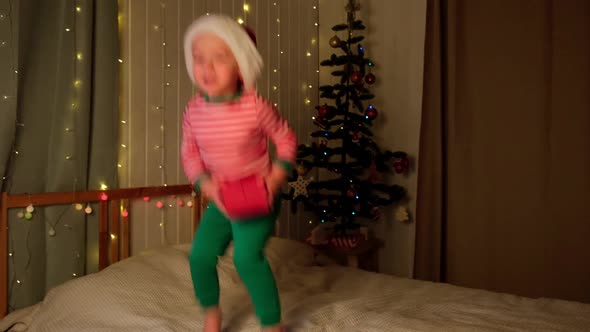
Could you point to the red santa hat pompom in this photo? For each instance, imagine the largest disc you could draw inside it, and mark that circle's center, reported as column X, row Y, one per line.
column 240, row 40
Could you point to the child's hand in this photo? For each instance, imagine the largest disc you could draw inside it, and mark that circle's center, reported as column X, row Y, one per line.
column 210, row 188
column 274, row 181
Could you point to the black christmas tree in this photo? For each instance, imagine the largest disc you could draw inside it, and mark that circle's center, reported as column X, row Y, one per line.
column 353, row 187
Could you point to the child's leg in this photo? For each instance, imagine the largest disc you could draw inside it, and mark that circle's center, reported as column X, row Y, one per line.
column 211, row 240
column 250, row 237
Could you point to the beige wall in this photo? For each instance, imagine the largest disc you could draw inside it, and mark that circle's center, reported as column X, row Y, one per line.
column 145, row 25
column 395, row 41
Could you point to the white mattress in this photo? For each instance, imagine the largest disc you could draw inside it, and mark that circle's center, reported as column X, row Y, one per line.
column 153, row 292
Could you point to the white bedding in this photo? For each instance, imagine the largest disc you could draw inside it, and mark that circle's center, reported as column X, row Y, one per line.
column 153, row 292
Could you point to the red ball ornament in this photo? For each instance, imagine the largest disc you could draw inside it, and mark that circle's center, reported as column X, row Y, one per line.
column 323, row 111
column 356, row 77
column 370, row 78
column 355, row 137
column 371, row 113
column 351, row 193
column 406, row 163
column 401, row 165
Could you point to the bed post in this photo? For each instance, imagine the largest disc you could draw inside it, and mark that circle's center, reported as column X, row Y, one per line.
column 4, row 255
column 114, row 218
column 125, row 238
column 103, row 236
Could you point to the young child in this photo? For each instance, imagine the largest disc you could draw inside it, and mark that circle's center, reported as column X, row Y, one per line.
column 225, row 131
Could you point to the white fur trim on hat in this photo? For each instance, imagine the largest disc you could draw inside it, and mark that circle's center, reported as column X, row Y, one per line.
column 237, row 39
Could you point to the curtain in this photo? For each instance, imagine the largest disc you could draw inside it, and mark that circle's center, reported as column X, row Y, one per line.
column 505, row 151
column 62, row 136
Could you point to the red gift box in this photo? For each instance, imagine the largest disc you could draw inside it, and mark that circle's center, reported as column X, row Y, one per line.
column 245, row 198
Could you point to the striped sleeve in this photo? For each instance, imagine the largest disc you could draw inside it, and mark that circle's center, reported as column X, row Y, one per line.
column 278, row 130
column 189, row 151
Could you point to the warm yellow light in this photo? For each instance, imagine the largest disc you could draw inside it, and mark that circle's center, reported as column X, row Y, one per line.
column 113, row 236
column 240, row 20
column 307, row 101
column 79, row 56
column 77, row 83
column 103, row 186
column 308, row 53
column 246, row 7
column 119, row 165
column 78, row 9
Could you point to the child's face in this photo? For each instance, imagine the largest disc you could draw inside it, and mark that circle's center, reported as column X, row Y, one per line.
column 215, row 69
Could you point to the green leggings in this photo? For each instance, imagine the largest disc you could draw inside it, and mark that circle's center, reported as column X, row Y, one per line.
column 213, row 236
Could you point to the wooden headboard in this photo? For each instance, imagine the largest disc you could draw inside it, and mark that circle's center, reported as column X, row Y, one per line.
column 113, row 229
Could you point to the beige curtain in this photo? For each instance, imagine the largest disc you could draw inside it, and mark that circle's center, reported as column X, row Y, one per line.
column 505, row 154
column 58, row 133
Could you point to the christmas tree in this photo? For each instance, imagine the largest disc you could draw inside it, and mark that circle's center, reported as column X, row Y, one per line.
column 346, row 150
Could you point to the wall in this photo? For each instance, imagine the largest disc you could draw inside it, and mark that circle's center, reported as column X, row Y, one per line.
column 395, row 41
column 156, row 89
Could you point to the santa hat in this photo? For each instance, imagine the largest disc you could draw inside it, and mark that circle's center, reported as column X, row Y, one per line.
column 240, row 40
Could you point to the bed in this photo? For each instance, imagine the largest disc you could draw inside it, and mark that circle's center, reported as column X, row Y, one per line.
column 152, row 291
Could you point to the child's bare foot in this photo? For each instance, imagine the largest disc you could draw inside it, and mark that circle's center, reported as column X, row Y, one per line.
column 275, row 328
column 212, row 320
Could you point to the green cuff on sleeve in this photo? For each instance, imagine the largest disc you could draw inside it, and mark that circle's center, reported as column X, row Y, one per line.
column 285, row 164
column 200, row 178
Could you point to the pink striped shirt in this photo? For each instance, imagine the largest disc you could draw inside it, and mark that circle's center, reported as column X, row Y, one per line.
column 229, row 139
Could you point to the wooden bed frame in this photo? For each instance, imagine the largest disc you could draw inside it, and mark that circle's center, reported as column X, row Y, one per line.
column 111, row 248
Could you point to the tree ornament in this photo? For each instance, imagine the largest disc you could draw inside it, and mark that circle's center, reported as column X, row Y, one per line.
column 104, row 197
column 374, row 175
column 371, row 112
column 356, row 77
column 351, row 193
column 51, row 232
column 125, row 213
column 88, row 209
column 355, row 137
column 401, row 214
column 401, row 165
column 28, row 215
column 159, row 204
column 20, row 214
column 146, row 199
column 78, row 207
column 335, row 41
column 30, row 208
column 189, row 204
column 180, row 203
column 302, row 170
column 370, row 78
column 323, row 111
column 375, row 213
column 300, row 186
